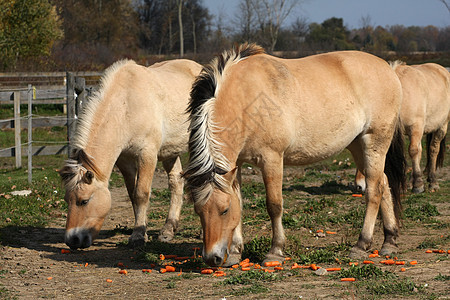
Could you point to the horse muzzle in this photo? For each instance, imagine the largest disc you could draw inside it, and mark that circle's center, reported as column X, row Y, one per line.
column 216, row 257
column 78, row 238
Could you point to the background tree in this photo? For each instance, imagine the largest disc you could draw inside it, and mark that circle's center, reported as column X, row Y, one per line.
column 330, row 35
column 28, row 29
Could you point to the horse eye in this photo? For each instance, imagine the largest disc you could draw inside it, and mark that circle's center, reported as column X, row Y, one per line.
column 225, row 211
column 83, row 202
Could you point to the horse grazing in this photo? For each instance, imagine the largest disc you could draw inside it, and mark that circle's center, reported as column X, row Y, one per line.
column 425, row 110
column 135, row 119
column 247, row 106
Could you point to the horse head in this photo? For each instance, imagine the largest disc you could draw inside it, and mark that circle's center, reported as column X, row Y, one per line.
column 88, row 200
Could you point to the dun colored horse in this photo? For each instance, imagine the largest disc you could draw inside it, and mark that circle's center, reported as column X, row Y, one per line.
column 247, row 106
column 425, row 110
column 136, row 119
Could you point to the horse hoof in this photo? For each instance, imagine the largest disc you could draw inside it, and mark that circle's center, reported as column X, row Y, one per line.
column 232, row 259
column 388, row 249
column 136, row 243
column 357, row 253
column 273, row 257
column 418, row 190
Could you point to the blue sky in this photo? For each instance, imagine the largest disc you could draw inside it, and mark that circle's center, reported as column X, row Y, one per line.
column 381, row 12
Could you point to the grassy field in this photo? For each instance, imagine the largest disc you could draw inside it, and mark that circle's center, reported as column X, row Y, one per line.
column 316, row 198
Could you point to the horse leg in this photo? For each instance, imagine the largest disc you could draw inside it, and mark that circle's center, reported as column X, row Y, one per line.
column 433, row 152
column 237, row 244
column 173, row 168
column 374, row 180
column 390, row 223
column 360, row 182
column 144, row 176
column 272, row 170
column 415, row 152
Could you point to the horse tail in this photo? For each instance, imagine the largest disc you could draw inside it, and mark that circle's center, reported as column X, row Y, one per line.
column 441, row 155
column 205, row 161
column 395, row 169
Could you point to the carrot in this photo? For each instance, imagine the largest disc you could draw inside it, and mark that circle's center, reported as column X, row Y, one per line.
column 389, row 262
column 49, row 278
column 256, row 266
column 86, row 264
column 368, row 262
column 357, row 195
column 429, row 251
column 375, row 252
column 246, row 265
column 162, row 257
column 333, row 269
column 124, row 272
column 348, row 279
column 245, row 269
column 235, row 266
column 206, row 271
column 448, row 251
column 287, row 258
column 146, row 270
column 108, row 280
column 181, row 271
column 373, row 255
column 399, row 262
column 218, row 274
column 414, row 262
column 313, row 267
column 319, row 230
column 353, row 263
column 330, row 232
column 294, row 266
column 162, row 270
column 65, row 251
column 244, row 261
column 272, row 263
column 402, row 270
column 170, row 269
column 278, row 268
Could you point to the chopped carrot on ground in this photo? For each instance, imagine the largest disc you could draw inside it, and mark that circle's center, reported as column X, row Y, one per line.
column 108, row 280
column 375, row 251
column 319, row 230
column 162, row 270
column 235, row 266
column 414, row 262
column 313, row 267
column 356, row 195
column 368, row 262
column 402, row 270
column 244, row 261
column 49, row 278
column 331, row 232
column 272, row 263
column 257, row 266
column 373, row 255
column 206, row 271
column 246, row 265
column 124, row 272
column 278, row 268
column 429, row 251
column 86, row 264
column 245, row 268
column 399, row 262
column 162, row 257
column 333, row 269
column 348, row 279
column 353, row 263
column 170, row 269
column 64, row 251
column 146, row 270
column 388, row 262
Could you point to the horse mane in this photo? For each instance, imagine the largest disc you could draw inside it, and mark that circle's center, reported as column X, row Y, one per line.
column 207, row 165
column 91, row 106
column 75, row 168
column 79, row 161
column 395, row 64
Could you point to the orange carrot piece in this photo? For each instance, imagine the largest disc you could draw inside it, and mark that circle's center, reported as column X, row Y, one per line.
column 181, row 271
column 65, row 251
column 162, row 257
column 414, row 262
column 368, row 262
column 348, row 279
column 108, row 280
column 448, row 251
column 375, row 251
column 170, row 269
column 235, row 266
column 430, row 251
column 256, row 266
column 402, row 270
column 246, row 265
column 353, row 263
column 357, row 195
column 244, row 261
column 162, row 270
column 245, row 269
column 319, row 230
column 272, row 263
column 124, row 272
column 287, row 258
column 278, row 268
column 333, row 269
column 389, row 262
column 399, row 262
column 206, row 271
column 331, row 232
column 294, row 266
column 49, row 278
column 373, row 255
column 313, row 267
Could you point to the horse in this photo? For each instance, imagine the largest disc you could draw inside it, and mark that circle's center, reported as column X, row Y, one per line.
column 135, row 119
column 248, row 106
column 425, row 110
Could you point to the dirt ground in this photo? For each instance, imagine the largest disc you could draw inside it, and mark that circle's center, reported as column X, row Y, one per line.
column 36, row 268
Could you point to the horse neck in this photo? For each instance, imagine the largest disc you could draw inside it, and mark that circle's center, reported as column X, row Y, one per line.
column 106, row 137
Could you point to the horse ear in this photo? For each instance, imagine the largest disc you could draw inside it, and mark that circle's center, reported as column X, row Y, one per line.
column 231, row 175
column 88, row 177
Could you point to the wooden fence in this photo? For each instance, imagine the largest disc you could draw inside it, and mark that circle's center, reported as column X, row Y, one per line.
column 72, row 94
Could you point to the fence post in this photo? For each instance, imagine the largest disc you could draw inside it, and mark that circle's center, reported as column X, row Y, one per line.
column 80, row 89
column 30, row 130
column 71, row 113
column 17, row 126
